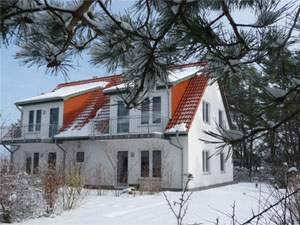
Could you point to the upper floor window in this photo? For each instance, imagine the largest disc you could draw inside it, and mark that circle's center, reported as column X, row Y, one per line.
column 156, row 113
column 221, row 119
column 80, row 157
column 31, row 120
column 205, row 161
column 123, row 118
column 38, row 120
column 53, row 123
column 222, row 162
column 206, row 112
column 145, row 111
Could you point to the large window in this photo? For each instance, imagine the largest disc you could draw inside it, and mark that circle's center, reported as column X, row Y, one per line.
column 206, row 112
column 53, row 126
column 156, row 113
column 222, row 162
column 31, row 120
column 205, row 161
column 221, row 119
column 144, row 163
column 38, row 120
column 156, row 163
column 145, row 111
column 123, row 118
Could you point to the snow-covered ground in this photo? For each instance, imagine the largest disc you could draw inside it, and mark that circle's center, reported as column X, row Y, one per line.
column 152, row 209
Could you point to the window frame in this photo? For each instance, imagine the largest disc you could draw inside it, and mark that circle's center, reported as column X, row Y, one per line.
column 80, row 157
column 156, row 161
column 145, row 171
column 31, row 121
column 145, row 111
column 205, row 162
column 36, row 162
column 156, row 114
column 38, row 120
column 206, row 111
column 222, row 162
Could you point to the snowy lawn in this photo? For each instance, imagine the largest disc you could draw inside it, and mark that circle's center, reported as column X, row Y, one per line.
column 152, row 209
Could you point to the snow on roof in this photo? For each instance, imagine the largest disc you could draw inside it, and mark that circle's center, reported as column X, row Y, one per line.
column 176, row 74
column 64, row 92
column 182, row 127
column 76, row 131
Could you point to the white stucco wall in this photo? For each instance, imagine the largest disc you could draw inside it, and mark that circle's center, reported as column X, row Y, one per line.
column 101, row 158
column 45, row 119
column 196, row 146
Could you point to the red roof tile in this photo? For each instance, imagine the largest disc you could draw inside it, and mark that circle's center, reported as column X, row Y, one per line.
column 189, row 102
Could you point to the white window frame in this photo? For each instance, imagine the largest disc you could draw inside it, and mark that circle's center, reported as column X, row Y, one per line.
column 206, row 111
column 205, row 162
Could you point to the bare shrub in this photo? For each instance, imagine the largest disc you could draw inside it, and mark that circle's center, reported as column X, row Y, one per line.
column 179, row 208
column 21, row 197
column 72, row 189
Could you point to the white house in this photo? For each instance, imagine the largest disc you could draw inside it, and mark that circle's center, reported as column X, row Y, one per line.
column 86, row 122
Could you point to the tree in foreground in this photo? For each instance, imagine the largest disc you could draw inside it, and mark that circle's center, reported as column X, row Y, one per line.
column 150, row 35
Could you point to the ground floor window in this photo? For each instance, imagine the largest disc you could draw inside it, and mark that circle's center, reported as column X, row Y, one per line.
column 156, row 163
column 222, row 162
column 52, row 159
column 28, row 164
column 36, row 162
column 80, row 157
column 205, row 161
column 144, row 163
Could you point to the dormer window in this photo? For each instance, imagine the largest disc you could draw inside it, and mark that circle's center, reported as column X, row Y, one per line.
column 31, row 120
column 156, row 113
column 206, row 111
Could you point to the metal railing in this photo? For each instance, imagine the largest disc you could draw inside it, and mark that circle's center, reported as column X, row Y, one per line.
column 31, row 131
column 128, row 125
column 99, row 127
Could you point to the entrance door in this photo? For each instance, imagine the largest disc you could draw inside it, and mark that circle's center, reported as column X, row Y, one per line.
column 122, row 167
column 53, row 126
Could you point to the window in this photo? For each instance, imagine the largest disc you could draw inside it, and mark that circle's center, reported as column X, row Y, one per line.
column 156, row 114
column 205, row 161
column 123, row 118
column 31, row 120
column 145, row 111
column 221, row 119
column 36, row 159
column 53, row 126
column 156, row 163
column 144, row 163
column 52, row 160
column 38, row 120
column 222, row 162
column 206, row 112
column 28, row 164
column 80, row 157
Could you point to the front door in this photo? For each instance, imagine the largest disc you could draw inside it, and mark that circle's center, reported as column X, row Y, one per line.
column 122, row 167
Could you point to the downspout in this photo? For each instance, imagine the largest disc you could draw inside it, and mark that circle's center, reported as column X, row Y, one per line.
column 64, row 154
column 11, row 152
column 180, row 147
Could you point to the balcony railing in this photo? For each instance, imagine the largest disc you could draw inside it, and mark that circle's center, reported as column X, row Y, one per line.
column 128, row 125
column 31, row 131
column 97, row 127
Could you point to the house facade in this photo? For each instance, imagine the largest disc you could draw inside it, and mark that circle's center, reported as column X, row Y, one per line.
column 87, row 123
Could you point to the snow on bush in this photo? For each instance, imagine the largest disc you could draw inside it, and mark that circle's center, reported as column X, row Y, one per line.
column 21, row 197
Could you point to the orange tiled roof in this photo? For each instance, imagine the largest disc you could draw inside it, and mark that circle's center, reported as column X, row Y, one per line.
column 189, row 102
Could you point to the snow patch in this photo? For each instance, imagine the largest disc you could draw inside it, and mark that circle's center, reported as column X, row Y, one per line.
column 292, row 169
column 182, row 127
column 276, row 92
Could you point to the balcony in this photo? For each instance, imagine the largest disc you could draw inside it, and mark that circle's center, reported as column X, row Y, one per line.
column 28, row 133
column 127, row 126
column 123, row 127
